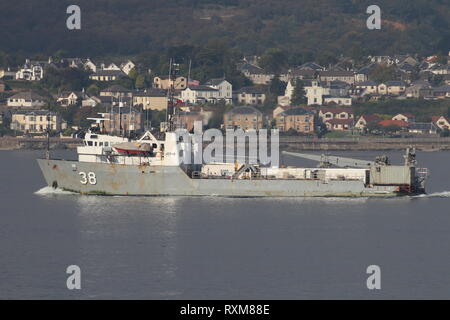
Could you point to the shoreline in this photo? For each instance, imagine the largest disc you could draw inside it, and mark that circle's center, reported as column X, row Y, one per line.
column 424, row 144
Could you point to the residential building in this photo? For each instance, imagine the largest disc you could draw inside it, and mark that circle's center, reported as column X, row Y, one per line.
column 417, row 89
column 344, row 76
column 256, row 74
column 200, row 94
column 442, row 122
column 69, row 98
column 298, row 74
column 90, row 65
column 127, row 66
column 442, row 92
column 7, row 74
column 164, row 82
column 366, row 120
column 91, row 101
column 336, row 92
column 107, row 75
column 245, row 118
column 151, row 99
column 298, row 119
column 440, row 69
column 407, row 117
column 36, row 121
column 27, row 99
column 340, row 101
column 250, row 96
column 394, row 123
column 31, row 71
column 394, row 88
column 362, row 75
column 423, row 128
column 116, row 91
column 279, row 109
column 225, row 89
column 369, row 87
column 315, row 93
column 311, row 66
column 288, row 94
column 339, row 124
column 335, row 113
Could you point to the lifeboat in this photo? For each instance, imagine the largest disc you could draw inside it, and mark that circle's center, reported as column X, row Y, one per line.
column 133, row 148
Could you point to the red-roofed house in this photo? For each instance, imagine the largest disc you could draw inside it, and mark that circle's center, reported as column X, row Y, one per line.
column 339, row 124
column 441, row 122
column 390, row 123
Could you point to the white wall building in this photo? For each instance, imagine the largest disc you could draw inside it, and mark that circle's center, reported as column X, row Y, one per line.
column 315, row 93
column 26, row 100
column 225, row 89
column 288, row 94
column 30, row 72
column 200, row 94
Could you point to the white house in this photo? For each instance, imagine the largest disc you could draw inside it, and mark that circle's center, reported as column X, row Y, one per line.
column 127, row 66
column 69, row 98
column 111, row 67
column 200, row 94
column 31, row 71
column 442, row 122
column 288, row 94
column 90, row 65
column 315, row 93
column 26, row 100
column 406, row 117
column 92, row 101
column 225, row 89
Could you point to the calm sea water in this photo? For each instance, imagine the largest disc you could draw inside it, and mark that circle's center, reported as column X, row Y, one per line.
column 221, row 248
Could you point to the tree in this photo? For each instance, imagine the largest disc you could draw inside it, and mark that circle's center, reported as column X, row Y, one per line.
column 442, row 60
column 383, row 73
column 299, row 95
column 273, row 60
column 140, row 82
column 277, row 87
column 93, row 90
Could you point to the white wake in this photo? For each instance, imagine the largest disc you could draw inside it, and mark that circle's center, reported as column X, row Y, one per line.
column 49, row 190
column 443, row 194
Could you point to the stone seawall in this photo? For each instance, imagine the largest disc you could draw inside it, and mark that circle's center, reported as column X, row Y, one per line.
column 286, row 143
column 13, row 143
column 356, row 144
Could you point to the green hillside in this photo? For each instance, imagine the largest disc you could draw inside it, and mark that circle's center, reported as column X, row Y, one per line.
column 304, row 27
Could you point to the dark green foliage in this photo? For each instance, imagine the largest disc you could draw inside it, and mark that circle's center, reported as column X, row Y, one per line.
column 326, row 28
column 274, row 60
column 67, row 79
column 299, row 96
column 382, row 73
column 422, row 109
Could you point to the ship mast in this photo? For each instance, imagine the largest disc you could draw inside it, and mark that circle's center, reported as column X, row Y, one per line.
column 170, row 112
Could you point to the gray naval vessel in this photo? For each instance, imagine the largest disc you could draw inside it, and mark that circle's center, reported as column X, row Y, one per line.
column 110, row 165
column 114, row 165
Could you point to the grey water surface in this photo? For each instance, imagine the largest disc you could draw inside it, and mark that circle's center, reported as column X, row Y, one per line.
column 221, row 248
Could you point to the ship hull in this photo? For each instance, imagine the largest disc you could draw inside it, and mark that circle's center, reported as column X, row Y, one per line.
column 115, row 179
